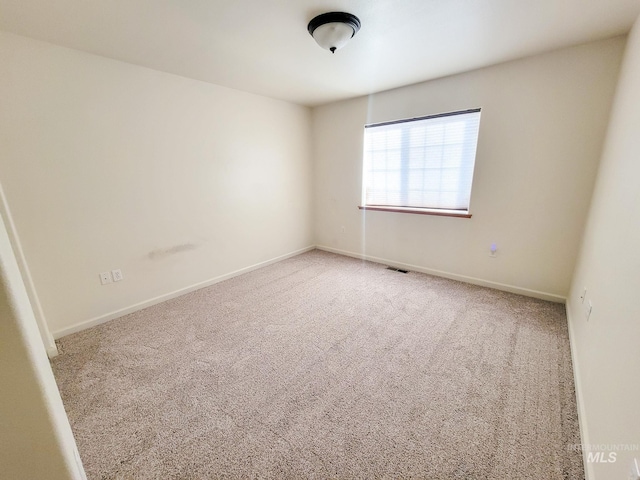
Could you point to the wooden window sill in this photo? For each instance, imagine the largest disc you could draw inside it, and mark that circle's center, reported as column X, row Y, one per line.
column 419, row 211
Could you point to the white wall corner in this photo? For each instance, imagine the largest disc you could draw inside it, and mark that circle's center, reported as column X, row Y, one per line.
column 582, row 421
column 43, row 328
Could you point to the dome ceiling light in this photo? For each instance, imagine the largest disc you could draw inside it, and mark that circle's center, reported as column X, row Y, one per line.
column 333, row 30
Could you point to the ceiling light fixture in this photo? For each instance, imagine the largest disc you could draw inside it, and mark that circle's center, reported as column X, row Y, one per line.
column 333, row 30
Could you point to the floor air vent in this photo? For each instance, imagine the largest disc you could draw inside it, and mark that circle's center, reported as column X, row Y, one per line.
column 397, row 270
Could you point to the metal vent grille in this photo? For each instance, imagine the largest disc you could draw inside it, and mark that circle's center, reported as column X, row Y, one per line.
column 394, row 269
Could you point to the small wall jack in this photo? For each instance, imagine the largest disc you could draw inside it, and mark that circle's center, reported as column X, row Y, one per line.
column 494, row 249
column 105, row 277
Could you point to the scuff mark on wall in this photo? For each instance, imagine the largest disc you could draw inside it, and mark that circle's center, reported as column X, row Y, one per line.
column 166, row 252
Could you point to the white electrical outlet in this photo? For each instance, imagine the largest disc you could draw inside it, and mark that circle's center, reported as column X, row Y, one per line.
column 105, row 277
column 117, row 275
column 584, row 294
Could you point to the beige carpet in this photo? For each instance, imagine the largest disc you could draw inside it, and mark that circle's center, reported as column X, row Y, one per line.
column 324, row 366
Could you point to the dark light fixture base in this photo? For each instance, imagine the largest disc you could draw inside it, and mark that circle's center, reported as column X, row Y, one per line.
column 334, row 17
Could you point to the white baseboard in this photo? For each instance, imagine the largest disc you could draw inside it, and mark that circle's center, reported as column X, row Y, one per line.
column 92, row 322
column 52, row 351
column 582, row 419
column 453, row 276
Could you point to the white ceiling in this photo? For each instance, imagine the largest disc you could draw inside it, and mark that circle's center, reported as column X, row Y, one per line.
column 263, row 46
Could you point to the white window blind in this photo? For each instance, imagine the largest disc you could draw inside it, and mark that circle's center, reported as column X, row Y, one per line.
column 424, row 162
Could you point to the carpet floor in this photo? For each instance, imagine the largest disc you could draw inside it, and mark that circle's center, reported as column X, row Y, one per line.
column 324, row 366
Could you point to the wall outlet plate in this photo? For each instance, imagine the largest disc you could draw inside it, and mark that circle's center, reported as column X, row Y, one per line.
column 105, row 277
column 117, row 275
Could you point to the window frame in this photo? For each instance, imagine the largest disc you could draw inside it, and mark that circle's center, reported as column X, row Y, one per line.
column 463, row 213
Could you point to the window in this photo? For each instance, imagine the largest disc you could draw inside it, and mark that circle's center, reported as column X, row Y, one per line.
column 421, row 165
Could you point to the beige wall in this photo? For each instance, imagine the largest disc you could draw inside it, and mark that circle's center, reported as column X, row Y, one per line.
column 541, row 133
column 606, row 348
column 35, row 436
column 107, row 165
